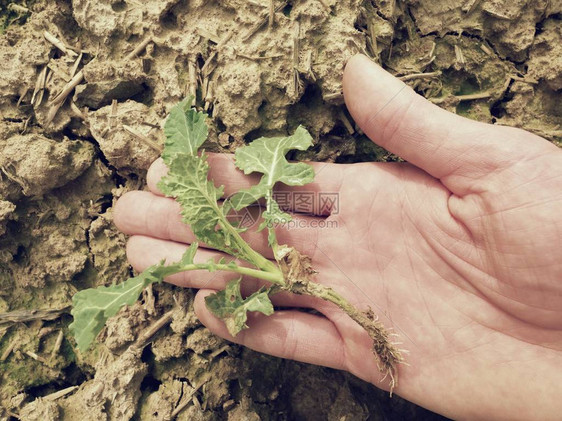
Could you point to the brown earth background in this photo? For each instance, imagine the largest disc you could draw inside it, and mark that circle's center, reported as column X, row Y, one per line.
column 81, row 111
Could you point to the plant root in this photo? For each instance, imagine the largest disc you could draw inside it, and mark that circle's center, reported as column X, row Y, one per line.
column 298, row 272
column 387, row 354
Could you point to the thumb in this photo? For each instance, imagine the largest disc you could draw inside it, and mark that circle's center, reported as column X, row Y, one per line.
column 449, row 147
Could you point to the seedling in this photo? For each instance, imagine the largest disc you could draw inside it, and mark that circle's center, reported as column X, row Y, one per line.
column 187, row 181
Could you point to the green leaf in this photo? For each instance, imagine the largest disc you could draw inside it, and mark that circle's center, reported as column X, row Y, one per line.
column 189, row 255
column 185, row 131
column 187, row 183
column 229, row 306
column 267, row 156
column 92, row 307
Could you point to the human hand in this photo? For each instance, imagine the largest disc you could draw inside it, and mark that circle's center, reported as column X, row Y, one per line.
column 459, row 250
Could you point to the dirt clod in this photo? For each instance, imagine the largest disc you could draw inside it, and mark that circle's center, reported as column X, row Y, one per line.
column 33, row 164
column 202, row 340
column 41, row 409
column 112, row 394
column 544, row 60
column 6, row 213
column 123, row 149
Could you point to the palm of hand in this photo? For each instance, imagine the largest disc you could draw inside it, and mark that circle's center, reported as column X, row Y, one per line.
column 458, row 304
column 461, row 256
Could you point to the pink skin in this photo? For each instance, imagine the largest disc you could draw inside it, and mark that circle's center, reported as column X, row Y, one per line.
column 459, row 250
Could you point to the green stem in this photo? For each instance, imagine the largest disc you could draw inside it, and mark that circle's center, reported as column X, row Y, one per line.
column 247, row 252
column 250, row 255
column 271, row 236
column 274, row 278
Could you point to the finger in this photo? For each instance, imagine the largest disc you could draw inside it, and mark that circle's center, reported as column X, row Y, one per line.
column 223, row 172
column 449, row 147
column 155, row 173
column 286, row 334
column 143, row 252
column 143, row 213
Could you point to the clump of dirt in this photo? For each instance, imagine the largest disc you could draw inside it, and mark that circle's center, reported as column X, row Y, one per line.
column 509, row 25
column 6, row 213
column 544, row 57
column 25, row 52
column 107, row 248
column 160, row 404
column 121, row 132
column 41, row 410
column 33, row 164
column 81, row 109
column 106, row 82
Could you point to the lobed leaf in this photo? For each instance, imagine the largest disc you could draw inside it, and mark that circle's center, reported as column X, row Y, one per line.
column 187, row 182
column 229, row 306
column 267, row 156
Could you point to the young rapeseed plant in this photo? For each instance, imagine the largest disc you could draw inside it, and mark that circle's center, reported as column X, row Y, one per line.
column 187, row 181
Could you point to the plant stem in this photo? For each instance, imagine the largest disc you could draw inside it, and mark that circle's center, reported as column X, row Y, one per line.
column 271, row 235
column 248, row 253
column 274, row 278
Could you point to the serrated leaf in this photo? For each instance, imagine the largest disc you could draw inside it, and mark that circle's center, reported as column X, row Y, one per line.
column 229, row 306
column 185, row 131
column 92, row 307
column 187, row 182
column 267, row 156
